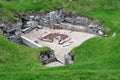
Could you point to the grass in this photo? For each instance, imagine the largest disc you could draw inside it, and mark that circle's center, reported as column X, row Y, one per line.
column 95, row 59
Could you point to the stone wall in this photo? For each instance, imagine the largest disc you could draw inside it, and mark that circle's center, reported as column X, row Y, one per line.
column 58, row 19
column 30, row 43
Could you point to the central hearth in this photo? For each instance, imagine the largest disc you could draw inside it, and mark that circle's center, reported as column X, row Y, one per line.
column 56, row 38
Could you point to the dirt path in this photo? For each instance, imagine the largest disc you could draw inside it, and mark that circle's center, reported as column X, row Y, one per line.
column 77, row 38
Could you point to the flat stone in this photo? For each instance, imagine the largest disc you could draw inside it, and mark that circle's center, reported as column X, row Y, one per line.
column 54, row 64
column 80, row 20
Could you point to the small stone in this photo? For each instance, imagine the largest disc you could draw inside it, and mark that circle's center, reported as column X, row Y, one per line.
column 114, row 34
column 40, row 27
column 43, row 57
column 100, row 32
column 68, row 59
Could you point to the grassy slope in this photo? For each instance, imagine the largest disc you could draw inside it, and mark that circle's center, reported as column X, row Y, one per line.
column 96, row 59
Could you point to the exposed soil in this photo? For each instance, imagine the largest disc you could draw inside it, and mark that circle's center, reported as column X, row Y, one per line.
column 54, row 35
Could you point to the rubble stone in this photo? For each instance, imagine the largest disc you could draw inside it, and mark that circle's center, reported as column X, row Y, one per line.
column 47, row 57
column 114, row 34
column 68, row 59
column 55, row 19
column 11, row 34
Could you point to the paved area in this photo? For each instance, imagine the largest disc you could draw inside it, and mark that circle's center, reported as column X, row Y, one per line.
column 77, row 38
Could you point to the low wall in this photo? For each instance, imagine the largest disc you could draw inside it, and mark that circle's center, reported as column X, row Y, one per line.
column 68, row 26
column 29, row 42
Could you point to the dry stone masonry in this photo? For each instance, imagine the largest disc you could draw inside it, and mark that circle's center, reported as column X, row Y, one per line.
column 57, row 19
column 47, row 57
column 13, row 34
column 60, row 20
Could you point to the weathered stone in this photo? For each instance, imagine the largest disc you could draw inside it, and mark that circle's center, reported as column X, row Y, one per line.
column 95, row 28
column 29, row 26
column 44, row 57
column 69, row 20
column 12, row 34
column 47, row 57
column 52, row 54
column 3, row 27
column 100, row 32
column 80, row 20
column 41, row 21
column 68, row 59
column 40, row 27
column 57, row 40
column 32, row 24
column 73, row 27
column 29, row 42
column 50, row 60
column 86, row 22
column 36, row 18
column 26, row 30
column 54, row 64
column 60, row 12
column 53, row 18
column 31, row 18
column 114, row 34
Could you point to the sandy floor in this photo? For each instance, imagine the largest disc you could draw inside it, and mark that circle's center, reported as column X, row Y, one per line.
column 60, row 50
